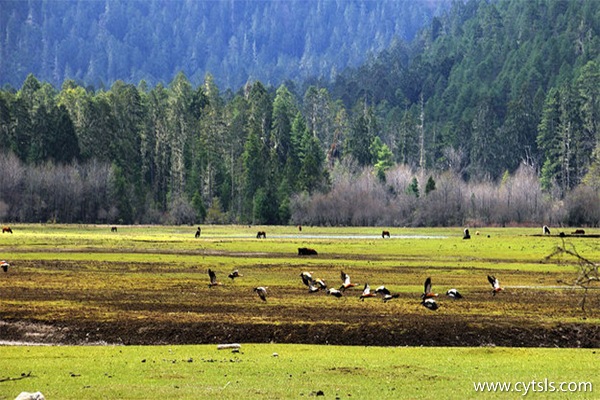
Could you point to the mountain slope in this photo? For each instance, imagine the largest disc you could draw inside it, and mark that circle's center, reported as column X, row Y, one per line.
column 98, row 42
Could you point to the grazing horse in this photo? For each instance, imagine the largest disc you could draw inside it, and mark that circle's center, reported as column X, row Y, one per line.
column 305, row 251
column 546, row 230
column 113, row 228
column 466, row 235
column 6, row 229
column 261, row 234
column 579, row 232
column 197, row 235
column 385, row 233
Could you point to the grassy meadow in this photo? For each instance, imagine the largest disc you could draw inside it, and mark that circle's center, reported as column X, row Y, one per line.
column 278, row 371
column 143, row 277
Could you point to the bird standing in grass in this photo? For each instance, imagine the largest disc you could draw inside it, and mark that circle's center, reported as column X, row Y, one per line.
column 495, row 284
column 213, row 279
column 306, row 277
column 454, row 294
column 261, row 292
column 386, row 295
column 430, row 303
column 4, row 265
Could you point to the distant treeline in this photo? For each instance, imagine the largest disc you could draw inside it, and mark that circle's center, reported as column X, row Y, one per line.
column 491, row 93
column 186, row 155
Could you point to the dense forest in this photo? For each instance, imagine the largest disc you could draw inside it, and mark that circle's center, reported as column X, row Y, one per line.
column 489, row 116
column 101, row 41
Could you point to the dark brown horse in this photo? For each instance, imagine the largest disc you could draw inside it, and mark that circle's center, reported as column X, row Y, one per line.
column 385, row 234
column 113, row 228
column 579, row 232
column 6, row 229
column 261, row 234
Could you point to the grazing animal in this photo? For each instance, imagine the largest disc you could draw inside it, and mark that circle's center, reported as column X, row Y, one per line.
column 334, row 292
column 346, row 282
column 234, row 274
column 466, row 234
column 430, row 304
column 546, row 230
column 305, row 251
column 385, row 234
column 454, row 294
column 579, row 232
column 386, row 295
column 198, row 232
column 427, row 293
column 495, row 284
column 366, row 292
column 261, row 292
column 113, row 228
column 300, row 228
column 261, row 235
column 6, row 229
column 4, row 265
column 213, row 279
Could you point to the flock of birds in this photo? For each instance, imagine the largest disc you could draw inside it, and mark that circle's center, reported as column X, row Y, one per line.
column 314, row 285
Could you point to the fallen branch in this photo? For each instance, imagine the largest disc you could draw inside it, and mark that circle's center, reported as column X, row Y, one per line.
column 23, row 376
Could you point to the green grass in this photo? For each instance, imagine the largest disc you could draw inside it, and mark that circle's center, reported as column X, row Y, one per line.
column 299, row 371
column 62, row 271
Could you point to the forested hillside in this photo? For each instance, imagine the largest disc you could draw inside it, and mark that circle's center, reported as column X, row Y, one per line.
column 490, row 116
column 97, row 42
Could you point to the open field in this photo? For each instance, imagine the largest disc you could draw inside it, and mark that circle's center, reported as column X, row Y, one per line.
column 298, row 371
column 149, row 285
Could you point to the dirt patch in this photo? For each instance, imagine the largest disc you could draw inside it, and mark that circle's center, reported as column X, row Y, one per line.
column 420, row 332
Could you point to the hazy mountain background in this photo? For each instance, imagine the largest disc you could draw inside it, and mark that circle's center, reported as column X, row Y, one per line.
column 98, row 42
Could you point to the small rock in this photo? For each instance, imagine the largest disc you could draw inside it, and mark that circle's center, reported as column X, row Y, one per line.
column 30, row 396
